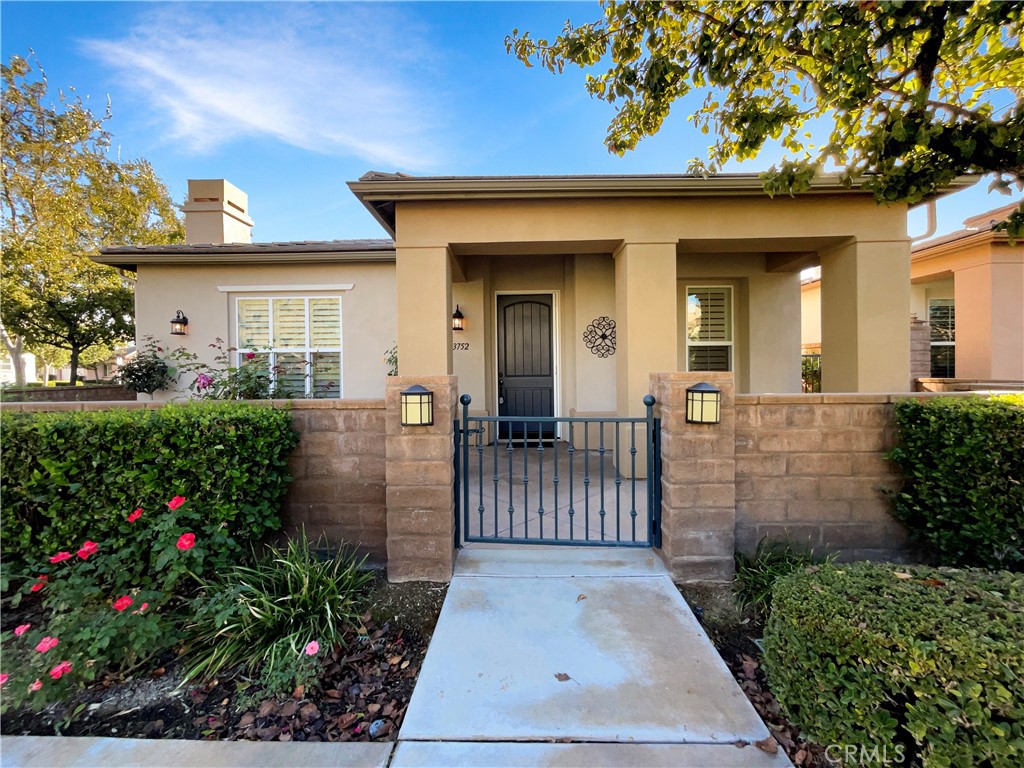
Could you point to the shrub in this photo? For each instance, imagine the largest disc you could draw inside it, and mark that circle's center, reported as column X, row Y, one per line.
column 277, row 613
column 72, row 476
column 755, row 575
column 147, row 372
column 93, row 625
column 962, row 462
column 926, row 660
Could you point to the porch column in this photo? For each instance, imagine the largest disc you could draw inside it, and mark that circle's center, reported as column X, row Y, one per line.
column 424, row 278
column 865, row 303
column 645, row 309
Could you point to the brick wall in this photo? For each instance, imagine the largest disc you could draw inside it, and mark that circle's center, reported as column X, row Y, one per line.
column 811, row 469
column 86, row 392
column 338, row 485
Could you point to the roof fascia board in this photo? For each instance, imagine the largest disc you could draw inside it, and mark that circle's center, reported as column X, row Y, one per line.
column 180, row 259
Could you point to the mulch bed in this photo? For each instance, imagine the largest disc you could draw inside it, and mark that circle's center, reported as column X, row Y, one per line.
column 361, row 696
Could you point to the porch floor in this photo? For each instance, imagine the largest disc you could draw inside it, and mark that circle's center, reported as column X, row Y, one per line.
column 553, row 495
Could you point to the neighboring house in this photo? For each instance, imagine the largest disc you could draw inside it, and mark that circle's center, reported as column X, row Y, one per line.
column 573, row 289
column 7, row 368
column 968, row 286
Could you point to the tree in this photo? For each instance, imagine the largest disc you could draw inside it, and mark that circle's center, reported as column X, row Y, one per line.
column 63, row 196
column 917, row 92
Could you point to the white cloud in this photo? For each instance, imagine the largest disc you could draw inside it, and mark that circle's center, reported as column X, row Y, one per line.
column 336, row 79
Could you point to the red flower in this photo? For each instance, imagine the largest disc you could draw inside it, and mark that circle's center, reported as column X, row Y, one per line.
column 40, row 583
column 176, row 502
column 21, row 629
column 61, row 669
column 36, row 685
column 186, row 541
column 122, row 602
column 60, row 557
column 89, row 548
column 250, row 355
column 46, row 644
column 3, row 678
column 135, row 515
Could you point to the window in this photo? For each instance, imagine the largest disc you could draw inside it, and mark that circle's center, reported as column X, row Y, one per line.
column 942, row 321
column 298, row 338
column 709, row 335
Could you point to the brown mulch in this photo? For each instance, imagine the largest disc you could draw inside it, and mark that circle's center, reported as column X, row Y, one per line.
column 362, row 694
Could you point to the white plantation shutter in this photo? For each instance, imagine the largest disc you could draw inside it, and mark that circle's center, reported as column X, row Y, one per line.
column 289, row 323
column 325, row 323
column 709, row 334
column 302, row 337
column 253, row 323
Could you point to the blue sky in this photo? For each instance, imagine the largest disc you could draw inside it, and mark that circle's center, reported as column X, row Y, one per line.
column 290, row 100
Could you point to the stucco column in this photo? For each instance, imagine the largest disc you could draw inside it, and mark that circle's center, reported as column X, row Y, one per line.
column 645, row 309
column 424, row 278
column 865, row 303
column 989, row 301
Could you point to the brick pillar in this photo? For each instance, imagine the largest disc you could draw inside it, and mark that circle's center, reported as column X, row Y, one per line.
column 698, row 481
column 420, row 477
column 920, row 351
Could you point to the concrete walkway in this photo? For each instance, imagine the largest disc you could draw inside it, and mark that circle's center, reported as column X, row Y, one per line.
column 554, row 656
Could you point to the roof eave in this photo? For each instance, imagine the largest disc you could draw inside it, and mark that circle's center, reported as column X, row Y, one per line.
column 132, row 260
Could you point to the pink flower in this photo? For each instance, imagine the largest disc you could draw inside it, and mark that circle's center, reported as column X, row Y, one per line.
column 61, row 669
column 250, row 355
column 135, row 515
column 141, row 608
column 176, row 502
column 186, row 541
column 203, row 381
column 3, row 678
column 60, row 557
column 36, row 685
column 89, row 548
column 122, row 602
column 47, row 643
column 312, row 647
column 21, row 629
column 40, row 583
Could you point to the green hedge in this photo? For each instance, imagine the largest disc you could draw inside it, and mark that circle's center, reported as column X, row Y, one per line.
column 71, row 476
column 926, row 661
column 962, row 462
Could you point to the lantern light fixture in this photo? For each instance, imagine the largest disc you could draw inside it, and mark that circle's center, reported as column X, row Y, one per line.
column 703, row 404
column 458, row 320
column 417, row 407
column 179, row 324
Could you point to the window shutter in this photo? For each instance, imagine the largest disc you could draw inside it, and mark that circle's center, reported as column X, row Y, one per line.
column 326, row 374
column 253, row 324
column 289, row 323
column 712, row 315
column 325, row 323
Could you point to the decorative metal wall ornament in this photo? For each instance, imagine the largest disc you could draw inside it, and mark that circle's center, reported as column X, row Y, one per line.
column 600, row 337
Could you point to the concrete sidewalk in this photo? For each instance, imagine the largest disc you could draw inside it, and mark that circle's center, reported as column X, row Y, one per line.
column 559, row 656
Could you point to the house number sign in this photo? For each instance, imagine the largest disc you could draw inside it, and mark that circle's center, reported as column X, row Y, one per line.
column 460, row 346
column 600, row 337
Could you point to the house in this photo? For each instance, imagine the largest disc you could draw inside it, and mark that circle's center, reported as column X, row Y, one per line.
column 967, row 295
column 572, row 289
column 567, row 299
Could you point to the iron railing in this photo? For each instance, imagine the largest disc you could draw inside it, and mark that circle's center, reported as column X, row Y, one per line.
column 558, row 480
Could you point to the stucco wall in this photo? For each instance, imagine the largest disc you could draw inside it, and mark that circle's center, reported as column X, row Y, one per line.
column 368, row 311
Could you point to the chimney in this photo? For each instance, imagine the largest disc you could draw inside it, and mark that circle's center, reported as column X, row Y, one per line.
column 216, row 212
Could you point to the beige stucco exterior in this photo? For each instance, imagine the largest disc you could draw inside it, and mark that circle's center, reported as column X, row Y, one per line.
column 633, row 260
column 207, row 294
column 983, row 274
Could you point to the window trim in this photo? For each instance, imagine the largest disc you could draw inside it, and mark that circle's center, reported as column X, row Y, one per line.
column 730, row 344
column 307, row 349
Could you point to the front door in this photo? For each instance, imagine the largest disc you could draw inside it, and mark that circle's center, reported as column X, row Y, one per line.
column 526, row 365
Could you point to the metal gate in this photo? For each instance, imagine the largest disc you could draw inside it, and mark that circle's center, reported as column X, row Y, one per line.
column 558, row 480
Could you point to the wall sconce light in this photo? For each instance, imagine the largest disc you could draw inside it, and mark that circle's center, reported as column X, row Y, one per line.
column 458, row 319
column 179, row 324
column 417, row 407
column 703, row 404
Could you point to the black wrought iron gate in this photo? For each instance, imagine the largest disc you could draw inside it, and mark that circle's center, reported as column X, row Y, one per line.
column 558, row 480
